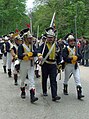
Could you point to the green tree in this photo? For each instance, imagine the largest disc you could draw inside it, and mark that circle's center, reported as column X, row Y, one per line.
column 12, row 15
column 66, row 12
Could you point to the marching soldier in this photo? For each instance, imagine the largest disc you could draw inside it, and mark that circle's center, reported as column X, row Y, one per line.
column 71, row 57
column 26, row 53
column 3, row 50
column 14, row 52
column 9, row 46
column 47, row 54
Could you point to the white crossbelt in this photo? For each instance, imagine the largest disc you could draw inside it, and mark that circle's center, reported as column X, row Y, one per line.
column 48, row 54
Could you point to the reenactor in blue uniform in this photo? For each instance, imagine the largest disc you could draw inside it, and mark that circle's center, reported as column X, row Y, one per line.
column 9, row 46
column 14, row 53
column 26, row 54
column 4, row 52
column 48, row 63
column 71, row 56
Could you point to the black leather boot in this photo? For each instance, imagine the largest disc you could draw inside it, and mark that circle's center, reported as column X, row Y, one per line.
column 65, row 90
column 27, row 76
column 79, row 92
column 32, row 96
column 4, row 67
column 23, row 94
column 15, row 79
column 9, row 72
column 37, row 73
column 56, row 98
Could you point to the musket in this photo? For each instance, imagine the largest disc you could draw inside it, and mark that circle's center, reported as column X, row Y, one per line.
column 76, row 65
column 37, row 36
column 37, row 32
column 76, row 34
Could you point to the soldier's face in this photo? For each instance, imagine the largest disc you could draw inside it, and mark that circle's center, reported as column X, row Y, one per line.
column 11, row 39
column 50, row 39
column 26, row 40
column 30, row 40
column 72, row 43
column 18, row 42
column 5, row 41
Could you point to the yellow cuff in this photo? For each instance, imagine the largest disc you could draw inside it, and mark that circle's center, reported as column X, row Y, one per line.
column 30, row 54
column 39, row 54
column 73, row 62
column 25, row 58
column 75, row 58
column 16, row 56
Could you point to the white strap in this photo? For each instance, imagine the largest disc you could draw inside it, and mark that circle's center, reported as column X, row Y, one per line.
column 48, row 54
column 44, row 48
column 11, row 45
column 72, row 50
column 16, row 47
column 27, row 48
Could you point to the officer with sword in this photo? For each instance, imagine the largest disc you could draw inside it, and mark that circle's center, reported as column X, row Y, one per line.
column 47, row 56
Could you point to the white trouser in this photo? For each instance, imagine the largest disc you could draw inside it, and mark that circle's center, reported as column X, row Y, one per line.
column 9, row 60
column 69, row 68
column 14, row 69
column 36, row 65
column 27, row 69
column 4, row 58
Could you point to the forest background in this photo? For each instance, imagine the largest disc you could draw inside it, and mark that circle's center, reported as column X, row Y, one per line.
column 69, row 14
